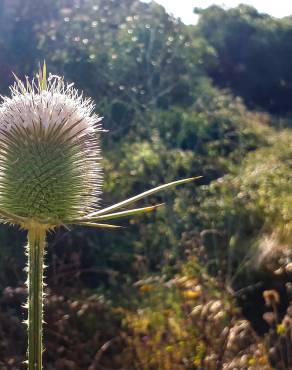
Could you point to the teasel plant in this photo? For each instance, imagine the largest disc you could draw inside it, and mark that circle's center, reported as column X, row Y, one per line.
column 51, row 177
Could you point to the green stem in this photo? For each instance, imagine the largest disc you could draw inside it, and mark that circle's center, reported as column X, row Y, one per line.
column 35, row 249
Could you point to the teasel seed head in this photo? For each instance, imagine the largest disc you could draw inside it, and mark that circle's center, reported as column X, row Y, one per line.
column 50, row 161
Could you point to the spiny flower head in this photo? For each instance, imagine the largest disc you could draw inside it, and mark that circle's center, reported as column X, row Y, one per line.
column 50, row 170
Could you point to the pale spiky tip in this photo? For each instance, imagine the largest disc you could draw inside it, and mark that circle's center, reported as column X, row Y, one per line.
column 49, row 153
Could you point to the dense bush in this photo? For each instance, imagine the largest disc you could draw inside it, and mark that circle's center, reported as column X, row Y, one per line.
column 267, row 84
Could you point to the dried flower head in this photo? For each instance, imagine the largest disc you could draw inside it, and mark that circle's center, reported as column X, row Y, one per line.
column 271, row 297
column 50, row 168
column 269, row 317
column 287, row 322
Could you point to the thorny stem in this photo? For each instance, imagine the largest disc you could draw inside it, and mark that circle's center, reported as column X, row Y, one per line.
column 35, row 251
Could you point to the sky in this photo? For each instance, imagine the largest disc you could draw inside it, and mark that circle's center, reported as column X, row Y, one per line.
column 184, row 8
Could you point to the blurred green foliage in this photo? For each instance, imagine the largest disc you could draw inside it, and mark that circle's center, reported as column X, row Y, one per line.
column 252, row 55
column 174, row 101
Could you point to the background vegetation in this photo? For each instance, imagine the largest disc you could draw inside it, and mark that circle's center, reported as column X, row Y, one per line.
column 205, row 283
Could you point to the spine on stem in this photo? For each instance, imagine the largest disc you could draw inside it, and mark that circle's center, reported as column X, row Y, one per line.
column 35, row 252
